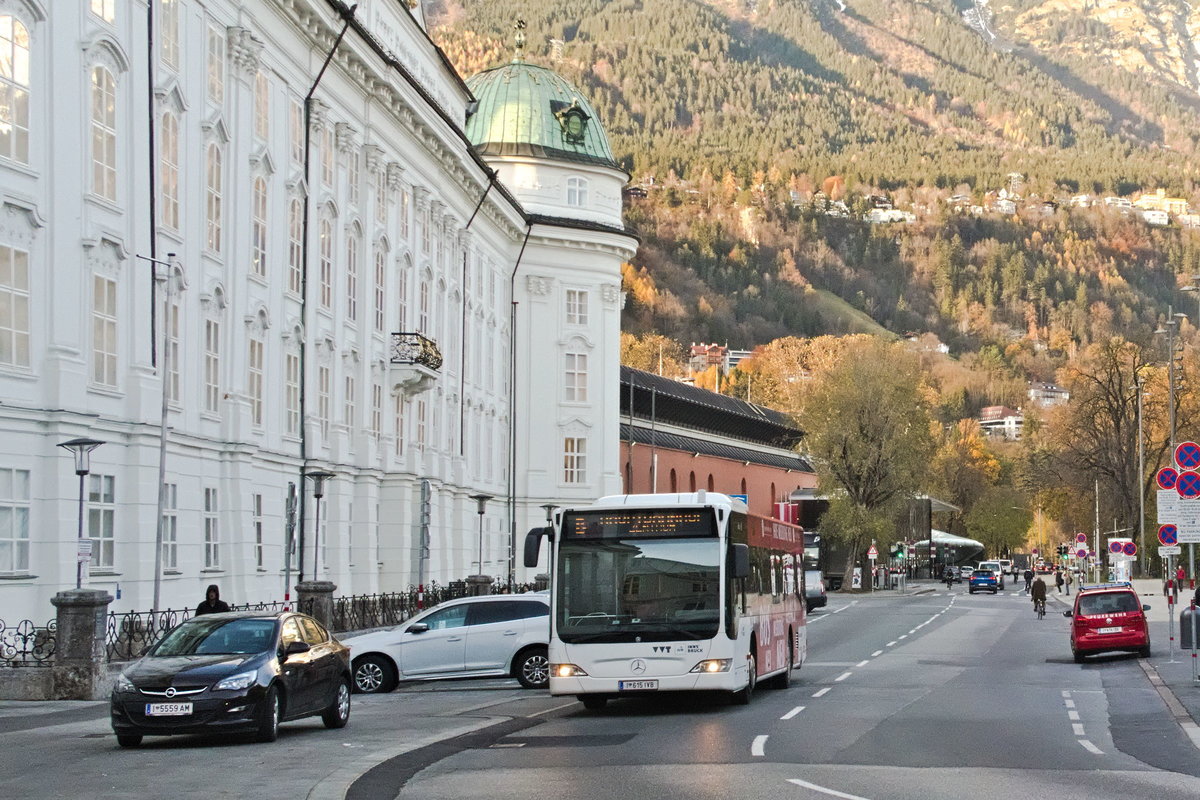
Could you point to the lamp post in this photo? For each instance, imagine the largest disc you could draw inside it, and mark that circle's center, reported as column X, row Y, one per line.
column 481, row 504
column 81, row 448
column 318, row 477
column 1168, row 328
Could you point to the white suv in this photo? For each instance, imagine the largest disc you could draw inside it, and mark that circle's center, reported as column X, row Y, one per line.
column 471, row 637
column 995, row 567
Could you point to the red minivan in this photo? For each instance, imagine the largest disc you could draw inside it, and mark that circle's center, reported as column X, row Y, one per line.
column 1108, row 617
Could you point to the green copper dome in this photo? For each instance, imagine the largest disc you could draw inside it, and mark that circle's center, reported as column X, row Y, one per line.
column 527, row 110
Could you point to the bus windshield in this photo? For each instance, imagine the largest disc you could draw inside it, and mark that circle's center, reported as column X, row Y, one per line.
column 635, row 589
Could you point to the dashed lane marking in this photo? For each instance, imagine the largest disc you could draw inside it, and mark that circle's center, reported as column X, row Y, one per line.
column 842, row 677
column 877, row 654
column 822, row 692
column 825, row 790
column 862, row 663
column 1077, row 728
column 1073, row 715
column 793, row 712
column 891, row 643
column 758, row 746
column 1091, row 748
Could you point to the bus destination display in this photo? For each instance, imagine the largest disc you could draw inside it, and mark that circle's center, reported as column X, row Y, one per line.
column 639, row 523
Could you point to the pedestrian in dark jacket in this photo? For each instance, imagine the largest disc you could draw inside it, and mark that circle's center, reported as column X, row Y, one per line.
column 213, row 604
column 1028, row 579
column 1058, row 581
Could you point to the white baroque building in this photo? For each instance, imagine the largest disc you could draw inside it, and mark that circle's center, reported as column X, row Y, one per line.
column 481, row 218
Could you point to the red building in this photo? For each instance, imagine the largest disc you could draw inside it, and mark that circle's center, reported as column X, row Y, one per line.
column 679, row 438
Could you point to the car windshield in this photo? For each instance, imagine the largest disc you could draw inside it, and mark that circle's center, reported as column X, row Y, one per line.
column 208, row 636
column 982, row 573
column 1108, row 603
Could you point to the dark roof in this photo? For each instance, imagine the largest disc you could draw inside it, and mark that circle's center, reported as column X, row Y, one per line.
column 666, row 400
column 710, row 447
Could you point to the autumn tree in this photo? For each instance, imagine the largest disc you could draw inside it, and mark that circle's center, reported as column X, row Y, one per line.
column 653, row 353
column 1000, row 519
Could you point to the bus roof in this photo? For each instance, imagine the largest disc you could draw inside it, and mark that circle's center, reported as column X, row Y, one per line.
column 700, row 498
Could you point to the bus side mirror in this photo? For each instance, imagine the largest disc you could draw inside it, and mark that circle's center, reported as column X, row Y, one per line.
column 533, row 545
column 739, row 560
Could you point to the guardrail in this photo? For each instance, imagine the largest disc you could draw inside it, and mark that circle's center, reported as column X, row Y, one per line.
column 27, row 645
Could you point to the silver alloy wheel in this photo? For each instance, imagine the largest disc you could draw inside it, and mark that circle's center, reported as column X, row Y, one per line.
column 368, row 677
column 536, row 670
column 343, row 701
column 275, row 712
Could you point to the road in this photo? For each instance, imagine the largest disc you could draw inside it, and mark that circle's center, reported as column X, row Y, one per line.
column 932, row 696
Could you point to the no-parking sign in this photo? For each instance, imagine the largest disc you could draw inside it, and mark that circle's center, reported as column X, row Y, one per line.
column 1188, row 485
column 1166, row 477
column 1187, row 455
column 1168, row 535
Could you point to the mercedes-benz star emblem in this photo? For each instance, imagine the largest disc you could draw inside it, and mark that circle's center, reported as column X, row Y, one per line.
column 637, row 666
column 170, row 692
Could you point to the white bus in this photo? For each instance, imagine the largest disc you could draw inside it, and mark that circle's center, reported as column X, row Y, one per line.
column 671, row 592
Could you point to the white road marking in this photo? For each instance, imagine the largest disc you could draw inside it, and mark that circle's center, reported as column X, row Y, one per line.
column 891, row 643
column 550, row 710
column 1073, row 716
column 1091, row 748
column 821, row 692
column 1069, row 703
column 824, row 790
column 793, row 712
column 1078, row 729
column 842, row 677
column 862, row 663
column 904, row 636
column 1066, row 693
column 757, row 748
column 877, row 654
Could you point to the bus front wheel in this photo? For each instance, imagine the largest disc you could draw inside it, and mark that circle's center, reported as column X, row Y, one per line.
column 742, row 696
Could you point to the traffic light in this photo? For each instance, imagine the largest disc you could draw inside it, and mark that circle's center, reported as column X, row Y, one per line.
column 1062, row 549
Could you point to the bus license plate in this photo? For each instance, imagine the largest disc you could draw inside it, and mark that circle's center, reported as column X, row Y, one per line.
column 637, row 686
column 168, row 709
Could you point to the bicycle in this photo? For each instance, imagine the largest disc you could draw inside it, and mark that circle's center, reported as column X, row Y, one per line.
column 1039, row 607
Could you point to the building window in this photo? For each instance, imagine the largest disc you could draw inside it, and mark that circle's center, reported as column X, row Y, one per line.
column 14, row 90
column 170, row 527
column 212, row 365
column 353, row 177
column 423, row 309
column 348, row 408
column 291, row 363
column 380, row 288
column 421, row 423
column 173, row 393
column 168, row 152
column 104, row 331
column 296, row 115
column 216, row 65
column 326, row 265
column 105, row 9
column 295, row 245
column 323, row 399
column 381, row 198
column 212, row 531
column 352, row 277
column 101, row 497
column 258, row 229
column 404, row 203
column 425, row 223
column 327, row 156
column 577, row 310
column 104, row 134
column 376, row 409
column 576, row 381
column 256, row 521
column 255, row 380
column 168, row 33
column 213, row 208
column 14, row 521
column 574, row 460
column 14, row 307
column 402, row 311
column 577, row 192
column 262, row 106
column 399, row 409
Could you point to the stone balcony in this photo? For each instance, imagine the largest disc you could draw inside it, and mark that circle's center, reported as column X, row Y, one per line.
column 416, row 364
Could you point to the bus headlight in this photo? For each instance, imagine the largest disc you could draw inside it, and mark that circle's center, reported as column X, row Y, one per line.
column 566, row 671
column 713, row 665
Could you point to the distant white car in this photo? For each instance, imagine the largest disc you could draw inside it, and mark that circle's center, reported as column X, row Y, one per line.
column 471, row 637
column 965, row 572
column 995, row 567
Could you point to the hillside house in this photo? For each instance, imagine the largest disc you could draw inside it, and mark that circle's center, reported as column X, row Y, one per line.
column 1001, row 422
column 1046, row 395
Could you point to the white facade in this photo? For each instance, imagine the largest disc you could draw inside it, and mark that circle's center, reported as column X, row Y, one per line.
column 391, row 187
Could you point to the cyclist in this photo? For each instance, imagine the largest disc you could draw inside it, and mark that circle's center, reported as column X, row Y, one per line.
column 1038, row 593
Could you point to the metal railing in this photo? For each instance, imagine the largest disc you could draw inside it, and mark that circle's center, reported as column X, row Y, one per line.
column 130, row 633
column 413, row 348
column 27, row 645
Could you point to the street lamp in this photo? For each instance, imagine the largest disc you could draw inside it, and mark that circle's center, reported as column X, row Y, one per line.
column 318, row 478
column 81, row 448
column 481, row 503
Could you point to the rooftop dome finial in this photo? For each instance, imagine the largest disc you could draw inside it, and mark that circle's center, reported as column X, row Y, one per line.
column 519, row 49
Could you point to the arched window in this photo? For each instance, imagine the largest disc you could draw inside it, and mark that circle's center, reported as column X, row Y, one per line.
column 104, row 133
column 352, row 276
column 214, row 211
column 423, row 310
column 692, row 482
column 326, row 265
column 577, row 192
column 402, row 296
column 743, row 486
column 258, row 228
column 380, row 288
column 628, row 478
column 14, row 89
column 295, row 244
column 674, row 481
column 711, row 484
column 168, row 151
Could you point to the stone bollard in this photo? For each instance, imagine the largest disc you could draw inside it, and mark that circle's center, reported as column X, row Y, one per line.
column 80, row 655
column 315, row 598
column 478, row 584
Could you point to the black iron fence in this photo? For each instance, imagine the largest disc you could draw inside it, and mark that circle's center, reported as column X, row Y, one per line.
column 27, row 645
column 130, row 633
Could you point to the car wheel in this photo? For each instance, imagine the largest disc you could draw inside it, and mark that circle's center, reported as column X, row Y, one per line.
column 593, row 702
column 268, row 722
column 374, row 674
column 1144, row 652
column 1078, row 656
column 129, row 739
column 338, row 713
column 533, row 668
column 784, row 680
column 970, row 591
column 742, row 696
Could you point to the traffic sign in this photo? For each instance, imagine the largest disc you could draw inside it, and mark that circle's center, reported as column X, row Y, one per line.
column 1188, row 485
column 1168, row 534
column 1081, row 538
column 1166, row 477
column 1081, row 553
column 872, row 553
column 1114, row 547
column 1187, row 455
column 1173, row 550
column 1130, row 549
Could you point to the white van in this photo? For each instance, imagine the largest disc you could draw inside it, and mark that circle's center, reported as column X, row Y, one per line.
column 995, row 567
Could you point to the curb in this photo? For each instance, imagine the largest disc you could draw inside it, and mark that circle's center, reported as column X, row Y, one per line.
column 1178, row 712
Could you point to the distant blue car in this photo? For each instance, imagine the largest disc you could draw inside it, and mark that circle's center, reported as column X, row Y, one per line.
column 982, row 579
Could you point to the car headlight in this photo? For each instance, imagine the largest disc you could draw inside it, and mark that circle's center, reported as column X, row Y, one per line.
column 124, row 684
column 713, row 665
column 243, row 680
column 566, row 671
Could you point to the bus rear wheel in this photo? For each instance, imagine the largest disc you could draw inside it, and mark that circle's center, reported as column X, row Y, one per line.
column 784, row 679
column 742, row 696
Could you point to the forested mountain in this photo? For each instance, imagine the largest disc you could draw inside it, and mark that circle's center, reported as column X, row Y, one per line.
column 743, row 117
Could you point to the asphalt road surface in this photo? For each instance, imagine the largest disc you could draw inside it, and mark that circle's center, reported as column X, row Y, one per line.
column 928, row 696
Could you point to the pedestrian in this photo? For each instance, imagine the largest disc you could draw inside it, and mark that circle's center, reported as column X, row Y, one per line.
column 1028, row 579
column 1058, row 580
column 1180, row 577
column 1067, row 582
column 213, row 604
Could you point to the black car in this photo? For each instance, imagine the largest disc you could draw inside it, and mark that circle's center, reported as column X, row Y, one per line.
column 235, row 672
